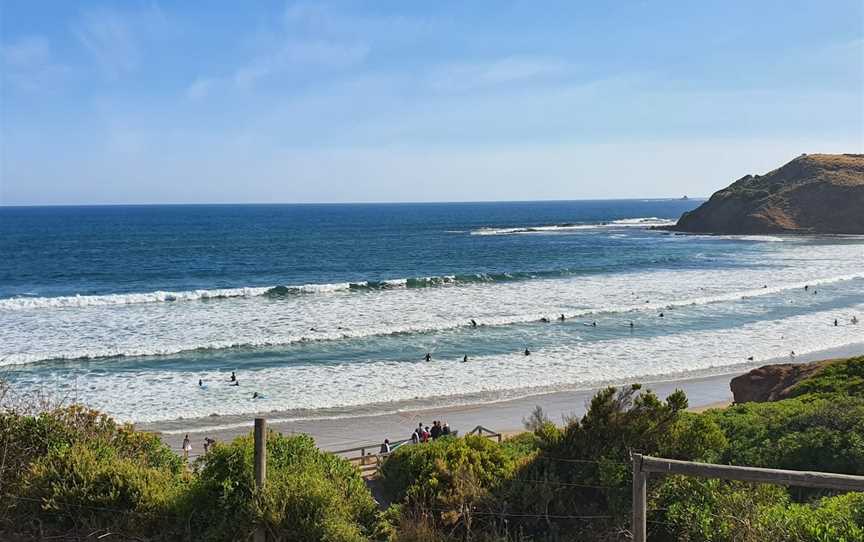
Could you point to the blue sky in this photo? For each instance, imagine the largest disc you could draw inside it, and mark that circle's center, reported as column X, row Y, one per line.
column 139, row 102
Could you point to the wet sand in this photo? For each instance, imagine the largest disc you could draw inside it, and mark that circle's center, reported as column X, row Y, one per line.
column 340, row 432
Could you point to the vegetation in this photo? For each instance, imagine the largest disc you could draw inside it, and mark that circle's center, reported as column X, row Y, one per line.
column 73, row 473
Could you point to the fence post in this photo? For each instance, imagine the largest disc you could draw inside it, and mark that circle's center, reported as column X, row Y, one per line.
column 260, row 466
column 640, row 482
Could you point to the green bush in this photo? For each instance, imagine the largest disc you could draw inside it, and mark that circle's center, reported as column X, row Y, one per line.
column 309, row 494
column 74, row 469
column 821, row 433
column 688, row 509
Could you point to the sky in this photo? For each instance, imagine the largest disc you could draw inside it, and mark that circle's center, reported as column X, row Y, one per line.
column 272, row 101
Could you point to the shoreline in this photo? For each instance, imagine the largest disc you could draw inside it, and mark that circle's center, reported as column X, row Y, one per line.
column 506, row 415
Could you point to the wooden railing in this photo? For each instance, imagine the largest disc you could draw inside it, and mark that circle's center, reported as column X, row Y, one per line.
column 645, row 465
column 368, row 457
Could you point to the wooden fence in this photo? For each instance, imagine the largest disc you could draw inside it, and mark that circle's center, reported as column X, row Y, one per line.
column 368, row 457
column 643, row 466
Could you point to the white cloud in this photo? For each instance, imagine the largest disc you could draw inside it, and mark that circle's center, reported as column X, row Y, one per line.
column 200, row 88
column 109, row 39
column 29, row 66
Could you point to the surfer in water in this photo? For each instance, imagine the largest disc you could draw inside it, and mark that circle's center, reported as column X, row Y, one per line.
column 255, row 395
column 661, row 315
column 835, row 322
column 527, row 352
column 465, row 359
column 854, row 320
column 473, row 323
column 561, row 318
column 200, row 383
column 806, row 287
column 544, row 320
column 428, row 356
column 233, row 377
column 631, row 325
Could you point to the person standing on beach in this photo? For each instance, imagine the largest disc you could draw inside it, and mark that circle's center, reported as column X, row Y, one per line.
column 187, row 446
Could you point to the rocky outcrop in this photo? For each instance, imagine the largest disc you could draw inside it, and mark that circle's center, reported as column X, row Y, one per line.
column 816, row 193
column 772, row 382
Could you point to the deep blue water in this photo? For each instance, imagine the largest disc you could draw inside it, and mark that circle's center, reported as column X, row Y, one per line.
column 57, row 251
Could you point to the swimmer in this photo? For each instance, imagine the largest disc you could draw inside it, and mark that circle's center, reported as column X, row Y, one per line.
column 594, row 324
column 631, row 325
column 806, row 287
column 661, row 315
column 527, row 352
column 428, row 356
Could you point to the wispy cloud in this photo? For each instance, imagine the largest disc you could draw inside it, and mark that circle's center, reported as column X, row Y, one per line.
column 109, row 39
column 503, row 71
column 28, row 64
column 306, row 55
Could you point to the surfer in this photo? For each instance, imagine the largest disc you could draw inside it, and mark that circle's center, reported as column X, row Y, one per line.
column 661, row 315
column 255, row 395
column 750, row 358
column 631, row 324
column 233, row 377
column 473, row 323
column 200, row 383
column 806, row 287
column 544, row 320
column 428, row 356
column 835, row 322
column 854, row 320
column 527, row 352
column 561, row 318
column 594, row 324
column 465, row 359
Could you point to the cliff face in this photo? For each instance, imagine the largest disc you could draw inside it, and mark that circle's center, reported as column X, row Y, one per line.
column 771, row 382
column 817, row 193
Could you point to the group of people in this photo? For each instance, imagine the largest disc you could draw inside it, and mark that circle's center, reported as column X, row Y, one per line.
column 425, row 434
column 187, row 445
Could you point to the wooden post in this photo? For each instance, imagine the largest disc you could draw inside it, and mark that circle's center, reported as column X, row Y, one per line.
column 260, row 466
column 640, row 483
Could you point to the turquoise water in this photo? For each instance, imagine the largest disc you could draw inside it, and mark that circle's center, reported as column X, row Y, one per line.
column 335, row 306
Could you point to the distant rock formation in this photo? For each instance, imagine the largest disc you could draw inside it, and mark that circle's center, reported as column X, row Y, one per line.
column 816, row 193
column 772, row 382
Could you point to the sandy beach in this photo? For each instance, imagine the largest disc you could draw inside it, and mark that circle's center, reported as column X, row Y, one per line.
column 345, row 431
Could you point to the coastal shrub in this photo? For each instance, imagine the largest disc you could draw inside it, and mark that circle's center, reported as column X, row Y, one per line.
column 73, row 469
column 309, row 494
column 815, row 432
column 688, row 509
column 585, row 468
column 843, row 377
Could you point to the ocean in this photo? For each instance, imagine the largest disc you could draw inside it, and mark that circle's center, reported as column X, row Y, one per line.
column 332, row 308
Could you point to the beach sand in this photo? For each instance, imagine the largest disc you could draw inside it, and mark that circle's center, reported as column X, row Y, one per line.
column 341, row 432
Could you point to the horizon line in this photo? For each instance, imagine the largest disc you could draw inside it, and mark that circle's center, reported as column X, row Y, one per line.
column 202, row 204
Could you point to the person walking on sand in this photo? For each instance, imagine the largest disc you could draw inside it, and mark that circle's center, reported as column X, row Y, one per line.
column 187, row 446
